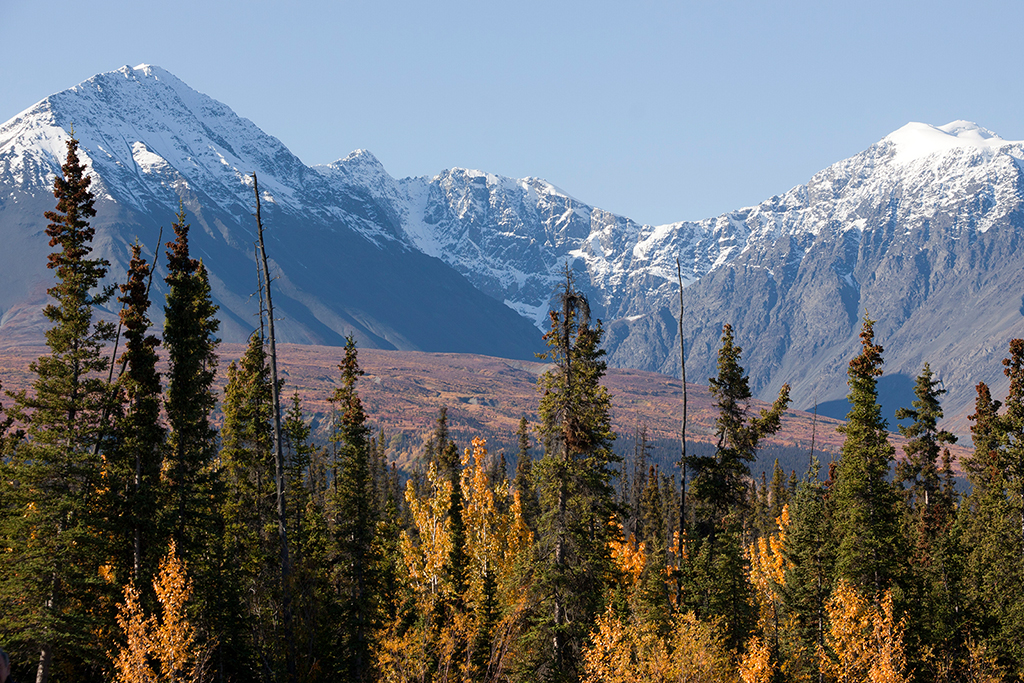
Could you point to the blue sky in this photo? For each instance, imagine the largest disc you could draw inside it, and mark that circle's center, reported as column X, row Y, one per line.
column 660, row 111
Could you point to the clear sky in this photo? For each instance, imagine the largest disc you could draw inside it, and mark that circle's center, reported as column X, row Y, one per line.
column 660, row 111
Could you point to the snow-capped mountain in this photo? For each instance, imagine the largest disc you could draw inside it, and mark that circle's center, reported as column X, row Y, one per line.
column 152, row 142
column 921, row 231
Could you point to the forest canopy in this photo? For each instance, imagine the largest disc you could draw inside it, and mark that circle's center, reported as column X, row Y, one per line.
column 140, row 542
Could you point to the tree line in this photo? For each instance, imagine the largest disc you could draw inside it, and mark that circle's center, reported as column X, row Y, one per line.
column 140, row 543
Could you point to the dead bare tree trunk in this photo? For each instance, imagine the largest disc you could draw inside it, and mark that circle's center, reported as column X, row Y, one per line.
column 682, row 428
column 286, row 593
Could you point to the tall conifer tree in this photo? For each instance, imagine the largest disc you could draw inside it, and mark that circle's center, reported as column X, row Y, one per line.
column 193, row 489
column 355, row 518
column 134, row 462
column 250, row 539
column 190, row 328
column 719, row 481
column 574, row 478
column 51, row 582
column 865, row 504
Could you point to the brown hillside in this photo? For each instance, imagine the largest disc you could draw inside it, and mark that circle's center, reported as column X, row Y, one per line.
column 403, row 391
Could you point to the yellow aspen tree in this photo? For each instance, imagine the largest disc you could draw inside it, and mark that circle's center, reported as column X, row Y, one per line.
column 132, row 661
column 768, row 567
column 174, row 637
column 497, row 538
column 609, row 656
column 425, row 559
column 755, row 664
column 169, row 642
column 864, row 641
column 629, row 557
column 981, row 666
column 698, row 652
column 693, row 652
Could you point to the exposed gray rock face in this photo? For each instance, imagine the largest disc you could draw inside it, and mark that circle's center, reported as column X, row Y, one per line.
column 152, row 144
column 922, row 232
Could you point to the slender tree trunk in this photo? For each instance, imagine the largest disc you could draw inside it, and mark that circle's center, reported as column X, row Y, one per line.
column 137, row 555
column 43, row 670
column 46, row 649
column 682, row 427
column 558, row 642
column 286, row 593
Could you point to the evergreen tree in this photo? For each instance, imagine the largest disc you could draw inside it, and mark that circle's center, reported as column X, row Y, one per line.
column 134, row 461
column 809, row 551
column 719, row 481
column 1012, row 441
column 930, row 507
column 50, row 582
column 778, row 492
column 985, row 433
column 192, row 507
column 190, row 326
column 988, row 526
column 249, row 568
column 298, row 461
column 920, row 469
column 355, row 518
column 865, row 505
column 523, row 482
column 719, row 586
column 574, row 479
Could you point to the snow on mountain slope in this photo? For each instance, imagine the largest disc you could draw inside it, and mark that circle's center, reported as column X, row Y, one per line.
column 512, row 237
column 153, row 145
column 922, row 230
column 899, row 231
column 164, row 142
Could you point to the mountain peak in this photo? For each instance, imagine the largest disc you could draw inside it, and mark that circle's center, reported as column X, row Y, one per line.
column 919, row 140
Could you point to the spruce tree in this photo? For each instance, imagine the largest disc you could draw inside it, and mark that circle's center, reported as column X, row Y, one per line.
column 809, row 551
column 355, row 517
column 574, row 479
column 1012, row 441
column 190, row 328
column 920, row 469
column 719, row 481
column 51, row 580
column 870, row 551
column 134, row 461
column 988, row 527
column 193, row 491
column 299, row 454
column 250, row 549
column 930, row 508
column 523, row 483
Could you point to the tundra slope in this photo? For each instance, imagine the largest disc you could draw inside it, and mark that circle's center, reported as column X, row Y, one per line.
column 921, row 231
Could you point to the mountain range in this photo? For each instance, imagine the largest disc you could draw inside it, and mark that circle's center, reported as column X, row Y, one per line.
column 921, row 232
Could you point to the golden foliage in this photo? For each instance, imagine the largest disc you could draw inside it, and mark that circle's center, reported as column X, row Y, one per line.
column 982, row 667
column 865, row 642
column 496, row 538
column 629, row 557
column 132, row 660
column 768, row 567
column 694, row 652
column 425, row 560
column 170, row 641
column 755, row 664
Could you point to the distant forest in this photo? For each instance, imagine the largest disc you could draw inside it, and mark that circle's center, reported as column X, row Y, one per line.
column 140, row 543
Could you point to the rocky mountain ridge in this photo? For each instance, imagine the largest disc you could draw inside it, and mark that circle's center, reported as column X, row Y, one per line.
column 921, row 231
column 154, row 144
